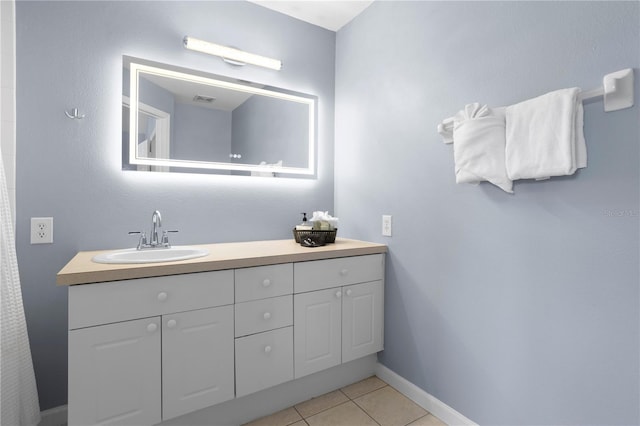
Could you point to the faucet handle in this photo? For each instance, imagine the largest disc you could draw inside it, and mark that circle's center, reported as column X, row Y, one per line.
column 142, row 242
column 165, row 238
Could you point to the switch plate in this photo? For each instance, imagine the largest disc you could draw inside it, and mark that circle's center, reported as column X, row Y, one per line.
column 386, row 225
column 41, row 230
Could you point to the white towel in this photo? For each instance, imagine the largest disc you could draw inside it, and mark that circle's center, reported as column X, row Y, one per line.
column 544, row 136
column 479, row 146
column 267, row 174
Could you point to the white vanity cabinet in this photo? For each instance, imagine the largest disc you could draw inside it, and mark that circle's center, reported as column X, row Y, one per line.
column 124, row 369
column 338, row 309
column 143, row 350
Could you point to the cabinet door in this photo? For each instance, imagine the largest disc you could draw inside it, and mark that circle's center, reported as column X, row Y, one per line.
column 114, row 374
column 197, row 360
column 317, row 330
column 362, row 320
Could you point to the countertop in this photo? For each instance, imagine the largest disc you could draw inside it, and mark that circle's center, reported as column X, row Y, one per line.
column 82, row 270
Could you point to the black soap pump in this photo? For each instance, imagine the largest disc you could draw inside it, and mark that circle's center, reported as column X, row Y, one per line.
column 304, row 226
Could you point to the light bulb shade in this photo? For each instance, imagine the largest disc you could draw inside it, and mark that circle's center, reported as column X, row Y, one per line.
column 231, row 54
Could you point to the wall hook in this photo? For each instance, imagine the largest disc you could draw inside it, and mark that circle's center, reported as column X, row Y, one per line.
column 74, row 114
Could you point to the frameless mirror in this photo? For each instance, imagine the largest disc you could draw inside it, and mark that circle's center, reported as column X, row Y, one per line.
column 175, row 119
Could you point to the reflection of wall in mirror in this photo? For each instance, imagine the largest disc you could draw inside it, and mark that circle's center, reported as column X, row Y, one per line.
column 271, row 130
column 157, row 97
column 201, row 134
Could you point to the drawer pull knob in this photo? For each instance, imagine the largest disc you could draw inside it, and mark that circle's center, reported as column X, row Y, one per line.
column 152, row 327
column 162, row 296
column 348, row 292
column 266, row 283
column 171, row 323
column 338, row 294
column 267, row 349
column 344, row 272
column 267, row 315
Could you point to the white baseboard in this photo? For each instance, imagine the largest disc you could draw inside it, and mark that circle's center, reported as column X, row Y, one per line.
column 56, row 416
column 427, row 401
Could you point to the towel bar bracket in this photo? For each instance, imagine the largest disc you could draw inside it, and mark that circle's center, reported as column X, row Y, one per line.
column 618, row 90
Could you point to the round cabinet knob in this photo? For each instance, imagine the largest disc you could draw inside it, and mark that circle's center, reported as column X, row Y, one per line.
column 267, row 349
column 348, row 292
column 267, row 315
column 162, row 296
column 344, row 272
column 152, row 327
column 266, row 283
column 338, row 294
column 171, row 323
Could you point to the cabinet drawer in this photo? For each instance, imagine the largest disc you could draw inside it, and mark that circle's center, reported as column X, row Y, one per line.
column 93, row 304
column 264, row 281
column 264, row 360
column 262, row 315
column 321, row 274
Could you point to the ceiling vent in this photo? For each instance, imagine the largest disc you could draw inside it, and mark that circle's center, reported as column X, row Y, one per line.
column 204, row 99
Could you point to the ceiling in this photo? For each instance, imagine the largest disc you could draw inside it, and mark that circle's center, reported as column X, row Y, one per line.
column 329, row 14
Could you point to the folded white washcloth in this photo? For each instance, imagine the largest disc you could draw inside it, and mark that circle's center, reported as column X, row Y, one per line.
column 544, row 136
column 479, row 146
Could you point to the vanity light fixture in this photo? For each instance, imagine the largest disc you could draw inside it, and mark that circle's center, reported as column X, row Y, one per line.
column 230, row 54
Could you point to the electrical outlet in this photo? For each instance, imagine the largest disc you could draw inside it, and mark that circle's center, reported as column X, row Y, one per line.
column 386, row 225
column 41, row 230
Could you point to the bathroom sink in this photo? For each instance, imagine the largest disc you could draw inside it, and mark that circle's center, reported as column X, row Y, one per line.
column 151, row 255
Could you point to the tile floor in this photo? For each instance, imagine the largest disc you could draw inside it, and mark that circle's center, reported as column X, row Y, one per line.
column 370, row 402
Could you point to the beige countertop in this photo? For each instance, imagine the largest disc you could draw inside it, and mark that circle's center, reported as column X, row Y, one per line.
column 82, row 270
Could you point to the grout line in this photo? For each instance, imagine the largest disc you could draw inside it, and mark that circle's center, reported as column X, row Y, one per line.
column 366, row 412
column 367, row 393
column 326, row 409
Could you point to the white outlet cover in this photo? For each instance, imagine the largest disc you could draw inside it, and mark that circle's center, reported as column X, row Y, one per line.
column 386, row 225
column 41, row 230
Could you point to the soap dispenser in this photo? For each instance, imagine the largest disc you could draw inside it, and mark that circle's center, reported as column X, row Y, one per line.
column 304, row 226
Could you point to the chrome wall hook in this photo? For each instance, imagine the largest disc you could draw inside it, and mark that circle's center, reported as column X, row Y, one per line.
column 74, row 114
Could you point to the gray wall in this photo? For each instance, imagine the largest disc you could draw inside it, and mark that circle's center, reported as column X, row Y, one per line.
column 69, row 54
column 512, row 309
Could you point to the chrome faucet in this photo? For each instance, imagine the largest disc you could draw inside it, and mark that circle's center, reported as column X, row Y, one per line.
column 156, row 221
column 154, row 240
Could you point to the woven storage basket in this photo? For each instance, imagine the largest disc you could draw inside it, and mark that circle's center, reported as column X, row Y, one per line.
column 330, row 236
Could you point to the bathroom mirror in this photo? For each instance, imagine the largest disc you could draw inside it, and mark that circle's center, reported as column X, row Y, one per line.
column 176, row 119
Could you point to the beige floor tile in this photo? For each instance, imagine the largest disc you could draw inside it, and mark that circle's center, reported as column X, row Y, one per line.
column 362, row 387
column 389, row 407
column 347, row 414
column 321, row 403
column 300, row 423
column 428, row 420
column 281, row 418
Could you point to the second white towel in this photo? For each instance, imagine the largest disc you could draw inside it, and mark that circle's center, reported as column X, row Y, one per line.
column 544, row 136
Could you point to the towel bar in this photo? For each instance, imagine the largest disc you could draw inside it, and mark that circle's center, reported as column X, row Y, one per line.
column 617, row 91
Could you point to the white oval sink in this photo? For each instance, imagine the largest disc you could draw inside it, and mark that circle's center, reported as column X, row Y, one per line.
column 154, row 255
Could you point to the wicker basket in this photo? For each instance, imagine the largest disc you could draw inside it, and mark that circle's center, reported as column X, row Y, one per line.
column 329, row 236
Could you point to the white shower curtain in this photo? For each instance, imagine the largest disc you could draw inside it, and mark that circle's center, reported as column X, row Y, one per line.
column 18, row 392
